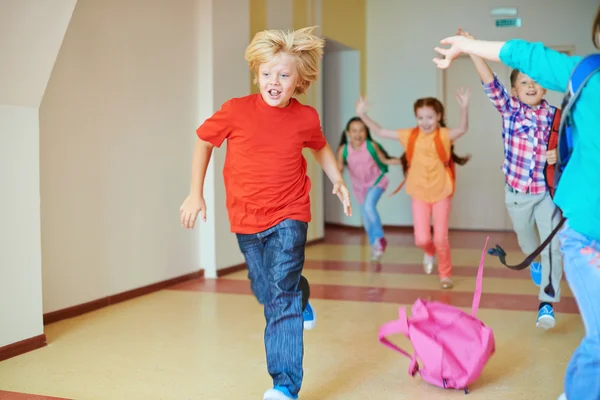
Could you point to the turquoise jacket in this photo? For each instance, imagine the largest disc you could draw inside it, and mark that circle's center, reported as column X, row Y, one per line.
column 578, row 192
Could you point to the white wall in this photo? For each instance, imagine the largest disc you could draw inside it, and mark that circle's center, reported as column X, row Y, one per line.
column 31, row 32
column 231, row 78
column 20, row 259
column 341, row 88
column 131, row 85
column 400, row 70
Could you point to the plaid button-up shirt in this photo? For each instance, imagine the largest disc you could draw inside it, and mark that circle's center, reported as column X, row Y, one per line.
column 525, row 132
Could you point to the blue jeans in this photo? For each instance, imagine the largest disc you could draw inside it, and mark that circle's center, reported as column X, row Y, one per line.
column 370, row 215
column 275, row 259
column 581, row 257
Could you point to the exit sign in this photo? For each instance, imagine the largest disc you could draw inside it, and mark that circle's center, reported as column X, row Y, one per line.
column 508, row 23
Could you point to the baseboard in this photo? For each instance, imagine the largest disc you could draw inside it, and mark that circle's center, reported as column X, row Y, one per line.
column 242, row 266
column 231, row 270
column 117, row 298
column 22, row 347
column 390, row 228
column 406, row 228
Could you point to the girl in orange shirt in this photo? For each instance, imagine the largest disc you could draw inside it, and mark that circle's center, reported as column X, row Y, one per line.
column 430, row 179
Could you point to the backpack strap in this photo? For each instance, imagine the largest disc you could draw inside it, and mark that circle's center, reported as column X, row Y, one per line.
column 383, row 167
column 583, row 71
column 446, row 159
column 410, row 149
column 552, row 145
column 479, row 282
column 345, row 154
column 398, row 326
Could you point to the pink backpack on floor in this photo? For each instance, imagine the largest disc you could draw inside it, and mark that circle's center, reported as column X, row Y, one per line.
column 453, row 346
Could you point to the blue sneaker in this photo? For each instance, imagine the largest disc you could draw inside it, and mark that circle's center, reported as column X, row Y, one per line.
column 536, row 273
column 310, row 317
column 545, row 319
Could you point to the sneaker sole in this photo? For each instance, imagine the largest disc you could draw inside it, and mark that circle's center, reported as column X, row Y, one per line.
column 310, row 325
column 546, row 322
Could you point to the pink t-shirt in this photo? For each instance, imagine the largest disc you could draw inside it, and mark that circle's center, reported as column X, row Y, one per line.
column 364, row 171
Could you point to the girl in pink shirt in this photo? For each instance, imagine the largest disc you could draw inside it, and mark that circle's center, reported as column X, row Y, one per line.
column 367, row 163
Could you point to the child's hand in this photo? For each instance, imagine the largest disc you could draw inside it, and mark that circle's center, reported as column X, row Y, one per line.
column 340, row 189
column 463, row 96
column 361, row 106
column 451, row 53
column 551, row 157
column 189, row 210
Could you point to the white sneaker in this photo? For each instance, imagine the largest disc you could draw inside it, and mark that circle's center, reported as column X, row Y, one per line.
column 274, row 394
column 562, row 397
column 428, row 262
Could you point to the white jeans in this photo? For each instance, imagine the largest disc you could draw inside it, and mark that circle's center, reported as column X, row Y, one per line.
column 526, row 210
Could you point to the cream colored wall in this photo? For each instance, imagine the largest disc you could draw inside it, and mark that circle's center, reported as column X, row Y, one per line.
column 230, row 79
column 131, row 84
column 117, row 124
column 31, row 33
column 400, row 70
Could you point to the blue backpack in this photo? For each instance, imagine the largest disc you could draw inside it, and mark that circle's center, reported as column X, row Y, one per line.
column 583, row 71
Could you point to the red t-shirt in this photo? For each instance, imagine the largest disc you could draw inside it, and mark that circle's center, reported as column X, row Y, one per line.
column 265, row 170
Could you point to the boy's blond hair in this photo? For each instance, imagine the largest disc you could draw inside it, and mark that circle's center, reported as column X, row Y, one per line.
column 302, row 44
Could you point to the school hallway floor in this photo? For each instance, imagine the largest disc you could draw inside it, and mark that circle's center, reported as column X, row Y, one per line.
column 203, row 339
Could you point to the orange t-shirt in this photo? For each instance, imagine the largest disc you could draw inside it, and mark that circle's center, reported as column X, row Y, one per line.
column 265, row 170
column 428, row 179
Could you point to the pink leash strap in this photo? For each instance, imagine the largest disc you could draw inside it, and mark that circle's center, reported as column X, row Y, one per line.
column 479, row 283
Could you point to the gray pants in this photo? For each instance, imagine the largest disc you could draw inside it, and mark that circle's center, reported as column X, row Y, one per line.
column 526, row 210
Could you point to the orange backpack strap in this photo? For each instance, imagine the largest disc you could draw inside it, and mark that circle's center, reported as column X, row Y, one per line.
column 446, row 158
column 552, row 145
column 410, row 149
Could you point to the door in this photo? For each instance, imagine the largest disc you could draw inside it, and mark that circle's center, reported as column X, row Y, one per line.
column 479, row 197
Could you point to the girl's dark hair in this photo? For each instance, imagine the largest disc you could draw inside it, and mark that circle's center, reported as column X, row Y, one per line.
column 596, row 30
column 438, row 107
column 344, row 138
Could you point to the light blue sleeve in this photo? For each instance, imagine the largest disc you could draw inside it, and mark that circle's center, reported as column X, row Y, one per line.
column 550, row 68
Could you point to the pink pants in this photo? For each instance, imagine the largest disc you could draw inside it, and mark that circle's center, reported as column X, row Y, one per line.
column 422, row 213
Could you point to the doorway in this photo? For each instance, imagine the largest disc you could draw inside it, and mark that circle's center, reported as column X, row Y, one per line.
column 341, row 88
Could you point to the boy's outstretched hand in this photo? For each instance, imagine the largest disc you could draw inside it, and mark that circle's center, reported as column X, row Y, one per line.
column 340, row 189
column 189, row 210
column 450, row 54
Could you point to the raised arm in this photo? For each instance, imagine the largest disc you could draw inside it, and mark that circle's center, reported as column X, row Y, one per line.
column 384, row 158
column 340, row 158
column 462, row 96
column 493, row 88
column 483, row 69
column 550, row 68
column 361, row 111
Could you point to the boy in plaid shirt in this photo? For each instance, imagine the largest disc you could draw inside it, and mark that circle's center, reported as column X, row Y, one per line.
column 526, row 124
